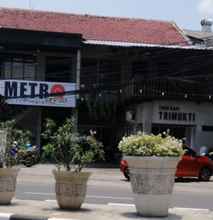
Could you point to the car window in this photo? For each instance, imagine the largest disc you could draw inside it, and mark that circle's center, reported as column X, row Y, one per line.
column 189, row 152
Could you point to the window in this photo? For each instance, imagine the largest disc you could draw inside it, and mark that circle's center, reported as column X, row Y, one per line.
column 100, row 72
column 89, row 68
column 20, row 68
column 109, row 72
column 140, row 70
column 207, row 128
column 59, row 69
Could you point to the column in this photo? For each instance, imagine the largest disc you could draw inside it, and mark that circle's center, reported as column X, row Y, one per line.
column 41, row 71
column 147, row 117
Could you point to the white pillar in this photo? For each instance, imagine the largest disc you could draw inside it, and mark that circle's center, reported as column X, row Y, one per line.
column 147, row 117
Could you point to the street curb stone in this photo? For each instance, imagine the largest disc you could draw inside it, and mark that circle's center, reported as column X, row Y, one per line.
column 10, row 216
column 27, row 217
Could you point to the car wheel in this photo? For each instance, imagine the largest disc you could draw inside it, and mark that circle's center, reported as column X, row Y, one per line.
column 205, row 174
column 126, row 173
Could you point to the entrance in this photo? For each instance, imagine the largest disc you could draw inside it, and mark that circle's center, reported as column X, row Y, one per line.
column 177, row 131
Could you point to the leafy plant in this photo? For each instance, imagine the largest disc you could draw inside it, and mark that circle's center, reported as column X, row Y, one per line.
column 21, row 137
column 151, row 145
column 47, row 153
column 70, row 150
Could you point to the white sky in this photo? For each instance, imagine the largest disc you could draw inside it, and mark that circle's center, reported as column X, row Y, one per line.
column 186, row 13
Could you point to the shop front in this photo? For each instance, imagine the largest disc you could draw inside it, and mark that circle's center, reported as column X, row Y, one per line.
column 181, row 119
column 38, row 74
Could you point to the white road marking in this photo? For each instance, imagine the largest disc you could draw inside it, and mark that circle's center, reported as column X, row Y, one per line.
column 108, row 197
column 110, row 204
column 121, row 204
column 49, row 200
column 192, row 209
column 5, row 216
column 203, row 211
column 89, row 196
column 54, row 218
column 39, row 193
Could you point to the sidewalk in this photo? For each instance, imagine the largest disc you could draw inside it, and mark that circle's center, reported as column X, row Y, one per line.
column 44, row 171
column 49, row 209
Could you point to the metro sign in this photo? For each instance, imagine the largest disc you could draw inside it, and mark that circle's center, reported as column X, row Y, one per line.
column 38, row 93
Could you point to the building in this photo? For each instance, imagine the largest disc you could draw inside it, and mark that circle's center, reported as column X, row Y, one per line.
column 120, row 75
column 204, row 37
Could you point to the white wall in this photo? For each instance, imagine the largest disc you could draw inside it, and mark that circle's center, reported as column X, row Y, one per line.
column 148, row 112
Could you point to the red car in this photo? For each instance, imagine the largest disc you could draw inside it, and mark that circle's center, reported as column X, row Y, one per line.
column 190, row 165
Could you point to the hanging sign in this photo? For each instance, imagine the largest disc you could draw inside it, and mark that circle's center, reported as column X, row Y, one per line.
column 38, row 93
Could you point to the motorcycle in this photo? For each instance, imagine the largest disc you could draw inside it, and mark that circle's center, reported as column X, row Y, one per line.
column 28, row 155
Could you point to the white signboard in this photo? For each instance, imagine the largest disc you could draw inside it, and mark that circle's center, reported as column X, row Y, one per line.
column 38, row 93
column 174, row 113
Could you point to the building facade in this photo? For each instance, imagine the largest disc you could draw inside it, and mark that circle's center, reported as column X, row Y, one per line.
column 117, row 75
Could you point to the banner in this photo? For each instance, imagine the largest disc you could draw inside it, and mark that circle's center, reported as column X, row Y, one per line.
column 38, row 93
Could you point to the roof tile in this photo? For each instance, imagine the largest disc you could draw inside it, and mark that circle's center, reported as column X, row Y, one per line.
column 95, row 27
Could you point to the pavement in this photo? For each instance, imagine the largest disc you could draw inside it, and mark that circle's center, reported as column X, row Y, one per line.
column 37, row 210
column 48, row 209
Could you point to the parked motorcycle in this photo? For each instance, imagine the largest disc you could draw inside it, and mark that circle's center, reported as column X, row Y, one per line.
column 28, row 155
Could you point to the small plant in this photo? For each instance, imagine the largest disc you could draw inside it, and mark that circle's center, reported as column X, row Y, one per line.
column 69, row 149
column 151, row 145
column 13, row 135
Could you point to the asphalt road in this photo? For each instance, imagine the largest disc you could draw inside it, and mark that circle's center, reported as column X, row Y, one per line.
column 108, row 186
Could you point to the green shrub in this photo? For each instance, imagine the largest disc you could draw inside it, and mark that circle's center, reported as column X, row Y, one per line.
column 151, row 145
column 22, row 137
column 69, row 149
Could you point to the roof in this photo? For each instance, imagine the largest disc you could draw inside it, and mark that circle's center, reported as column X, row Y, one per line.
column 95, row 27
column 141, row 45
column 198, row 34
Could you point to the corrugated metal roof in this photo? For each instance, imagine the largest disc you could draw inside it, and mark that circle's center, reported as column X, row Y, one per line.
column 198, row 34
column 125, row 44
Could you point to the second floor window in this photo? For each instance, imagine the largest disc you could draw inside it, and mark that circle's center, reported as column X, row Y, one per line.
column 19, row 68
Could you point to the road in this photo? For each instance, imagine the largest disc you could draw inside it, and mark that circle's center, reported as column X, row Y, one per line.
column 108, row 186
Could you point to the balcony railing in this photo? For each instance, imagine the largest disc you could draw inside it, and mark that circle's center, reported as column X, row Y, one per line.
column 167, row 88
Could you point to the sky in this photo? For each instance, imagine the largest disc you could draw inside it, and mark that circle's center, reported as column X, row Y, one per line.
column 186, row 13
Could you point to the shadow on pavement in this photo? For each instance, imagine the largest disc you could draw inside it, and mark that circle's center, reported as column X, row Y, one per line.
column 66, row 210
column 190, row 180
column 134, row 215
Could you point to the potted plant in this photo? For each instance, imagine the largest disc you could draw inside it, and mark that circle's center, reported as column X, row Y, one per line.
column 72, row 153
column 8, row 159
column 152, row 160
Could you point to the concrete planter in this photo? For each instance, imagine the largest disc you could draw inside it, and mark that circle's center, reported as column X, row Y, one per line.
column 8, row 178
column 152, row 180
column 70, row 188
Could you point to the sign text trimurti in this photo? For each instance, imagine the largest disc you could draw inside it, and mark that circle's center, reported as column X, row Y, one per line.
column 174, row 113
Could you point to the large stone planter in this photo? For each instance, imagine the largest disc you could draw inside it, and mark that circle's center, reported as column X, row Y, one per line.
column 70, row 188
column 8, row 178
column 152, row 180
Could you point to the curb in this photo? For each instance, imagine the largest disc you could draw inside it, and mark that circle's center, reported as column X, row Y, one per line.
column 10, row 216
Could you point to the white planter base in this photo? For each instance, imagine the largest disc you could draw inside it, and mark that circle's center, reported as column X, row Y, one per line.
column 152, row 180
column 70, row 188
column 7, row 184
column 152, row 205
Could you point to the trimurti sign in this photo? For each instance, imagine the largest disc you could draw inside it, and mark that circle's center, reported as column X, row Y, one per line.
column 174, row 113
column 38, row 93
column 168, row 112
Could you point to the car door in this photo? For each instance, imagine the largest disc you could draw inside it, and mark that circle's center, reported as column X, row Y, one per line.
column 188, row 164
